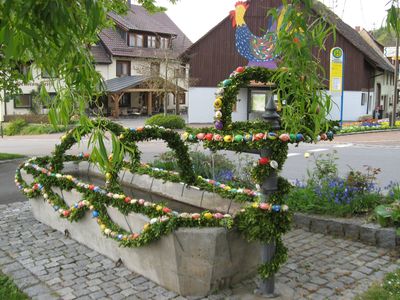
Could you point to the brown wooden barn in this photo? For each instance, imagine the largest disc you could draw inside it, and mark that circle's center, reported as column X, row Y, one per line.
column 368, row 75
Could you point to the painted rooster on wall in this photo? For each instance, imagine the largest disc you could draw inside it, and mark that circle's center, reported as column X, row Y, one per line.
column 258, row 50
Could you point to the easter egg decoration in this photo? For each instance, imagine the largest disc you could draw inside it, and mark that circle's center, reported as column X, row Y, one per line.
column 263, row 161
column 299, row 137
column 330, row 135
column 226, row 82
column 238, row 138
column 240, row 69
column 248, row 137
column 284, row 137
column 208, row 137
column 272, row 136
column 218, row 103
column 228, row 139
column 200, row 136
column 218, row 137
column 218, row 114
column 219, row 125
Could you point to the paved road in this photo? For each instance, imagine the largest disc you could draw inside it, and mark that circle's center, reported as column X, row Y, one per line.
column 47, row 265
column 8, row 192
column 378, row 150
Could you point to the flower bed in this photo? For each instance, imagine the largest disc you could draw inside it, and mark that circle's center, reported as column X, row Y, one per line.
column 369, row 125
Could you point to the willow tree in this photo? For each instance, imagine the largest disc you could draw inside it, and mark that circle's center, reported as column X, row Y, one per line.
column 55, row 36
column 393, row 24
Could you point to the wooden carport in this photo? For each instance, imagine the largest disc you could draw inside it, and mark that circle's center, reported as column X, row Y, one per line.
column 117, row 87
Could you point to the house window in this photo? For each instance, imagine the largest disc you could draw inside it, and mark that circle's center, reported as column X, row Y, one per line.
column 125, row 100
column 123, row 68
column 180, row 72
column 164, row 43
column 135, row 40
column 24, row 69
column 155, row 69
column 46, row 103
column 23, row 101
column 363, row 98
column 151, row 41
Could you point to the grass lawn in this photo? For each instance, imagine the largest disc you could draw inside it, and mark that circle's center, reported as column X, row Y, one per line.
column 4, row 156
column 389, row 289
column 8, row 290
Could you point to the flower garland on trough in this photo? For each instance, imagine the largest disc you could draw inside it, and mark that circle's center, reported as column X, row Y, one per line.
column 163, row 220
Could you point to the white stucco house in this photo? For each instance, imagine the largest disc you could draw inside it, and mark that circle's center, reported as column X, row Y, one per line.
column 138, row 60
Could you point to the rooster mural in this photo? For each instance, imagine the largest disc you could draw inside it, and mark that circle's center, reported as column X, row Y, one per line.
column 259, row 51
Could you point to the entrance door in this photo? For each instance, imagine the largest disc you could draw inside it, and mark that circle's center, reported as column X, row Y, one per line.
column 258, row 100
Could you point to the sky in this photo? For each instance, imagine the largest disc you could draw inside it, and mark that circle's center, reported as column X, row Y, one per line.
column 195, row 18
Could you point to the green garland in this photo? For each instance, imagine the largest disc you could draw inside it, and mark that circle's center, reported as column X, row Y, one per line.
column 167, row 221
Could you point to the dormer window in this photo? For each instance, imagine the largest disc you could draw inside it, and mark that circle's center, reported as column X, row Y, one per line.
column 151, row 41
column 135, row 40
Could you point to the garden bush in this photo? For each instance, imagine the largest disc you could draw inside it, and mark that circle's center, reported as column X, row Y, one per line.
column 15, row 127
column 217, row 166
column 327, row 193
column 168, row 121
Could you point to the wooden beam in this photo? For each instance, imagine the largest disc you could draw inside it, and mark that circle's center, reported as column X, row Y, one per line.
column 116, row 98
column 149, row 103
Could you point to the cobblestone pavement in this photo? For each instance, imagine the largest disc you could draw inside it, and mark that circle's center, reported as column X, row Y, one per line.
column 47, row 265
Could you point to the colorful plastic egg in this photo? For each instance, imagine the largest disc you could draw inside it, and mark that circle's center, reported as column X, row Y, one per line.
column 299, row 137
column 218, row 114
column 192, row 137
column 330, row 135
column 276, row 208
column 228, row 138
column 258, row 137
column 292, row 137
column 272, row 136
column 226, row 82
column 284, row 137
column 218, row 137
column 240, row 69
column 263, row 161
column 208, row 137
column 218, row 103
column 324, row 137
column 219, row 125
column 200, row 136
column 248, row 137
column 238, row 138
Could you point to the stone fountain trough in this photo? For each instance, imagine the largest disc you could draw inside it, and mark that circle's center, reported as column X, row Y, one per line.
column 189, row 261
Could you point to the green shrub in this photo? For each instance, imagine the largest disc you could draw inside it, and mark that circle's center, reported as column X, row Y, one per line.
column 388, row 290
column 15, row 127
column 203, row 163
column 8, row 290
column 168, row 121
column 33, row 129
column 5, row 156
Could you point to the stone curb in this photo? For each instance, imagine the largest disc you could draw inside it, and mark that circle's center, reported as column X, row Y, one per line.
column 352, row 229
